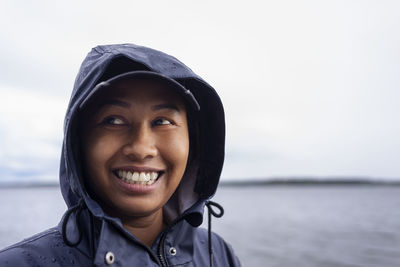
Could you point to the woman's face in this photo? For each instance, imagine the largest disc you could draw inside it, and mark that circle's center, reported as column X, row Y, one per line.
column 135, row 145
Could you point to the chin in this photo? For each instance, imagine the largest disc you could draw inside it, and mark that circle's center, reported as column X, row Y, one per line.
column 134, row 208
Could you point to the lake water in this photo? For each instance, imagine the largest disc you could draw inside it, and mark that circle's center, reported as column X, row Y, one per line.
column 299, row 226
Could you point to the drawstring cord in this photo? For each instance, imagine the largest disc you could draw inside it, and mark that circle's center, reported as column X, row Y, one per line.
column 210, row 204
column 78, row 208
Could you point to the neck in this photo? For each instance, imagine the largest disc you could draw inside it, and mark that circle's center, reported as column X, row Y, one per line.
column 146, row 229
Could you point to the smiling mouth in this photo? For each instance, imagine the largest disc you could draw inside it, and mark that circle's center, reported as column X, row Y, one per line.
column 133, row 177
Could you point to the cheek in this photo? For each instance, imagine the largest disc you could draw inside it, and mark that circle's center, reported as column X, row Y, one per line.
column 176, row 150
column 98, row 151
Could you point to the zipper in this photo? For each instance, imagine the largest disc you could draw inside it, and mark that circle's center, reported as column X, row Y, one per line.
column 161, row 256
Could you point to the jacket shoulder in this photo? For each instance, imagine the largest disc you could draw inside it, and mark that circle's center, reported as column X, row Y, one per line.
column 223, row 253
column 44, row 249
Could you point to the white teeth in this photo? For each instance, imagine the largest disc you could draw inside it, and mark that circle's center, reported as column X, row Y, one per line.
column 143, row 178
column 153, row 175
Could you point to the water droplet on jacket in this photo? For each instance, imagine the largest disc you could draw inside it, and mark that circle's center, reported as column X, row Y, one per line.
column 72, row 261
column 53, row 260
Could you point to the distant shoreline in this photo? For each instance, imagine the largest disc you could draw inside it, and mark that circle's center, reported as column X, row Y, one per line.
column 305, row 182
column 250, row 182
column 28, row 184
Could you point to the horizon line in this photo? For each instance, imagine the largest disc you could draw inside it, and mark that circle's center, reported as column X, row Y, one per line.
column 301, row 180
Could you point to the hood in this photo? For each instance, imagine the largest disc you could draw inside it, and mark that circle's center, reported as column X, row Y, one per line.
column 207, row 142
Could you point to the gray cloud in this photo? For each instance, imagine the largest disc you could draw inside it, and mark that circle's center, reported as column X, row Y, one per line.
column 309, row 88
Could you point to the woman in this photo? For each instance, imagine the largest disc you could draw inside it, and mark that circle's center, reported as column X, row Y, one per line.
column 142, row 154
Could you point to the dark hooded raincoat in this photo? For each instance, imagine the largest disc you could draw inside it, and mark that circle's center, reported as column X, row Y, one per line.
column 86, row 236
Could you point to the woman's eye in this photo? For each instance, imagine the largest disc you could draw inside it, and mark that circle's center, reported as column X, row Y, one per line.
column 113, row 121
column 161, row 122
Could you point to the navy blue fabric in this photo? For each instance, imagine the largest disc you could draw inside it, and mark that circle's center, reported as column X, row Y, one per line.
column 85, row 223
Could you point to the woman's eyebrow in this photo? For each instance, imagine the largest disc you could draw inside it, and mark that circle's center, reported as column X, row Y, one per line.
column 165, row 106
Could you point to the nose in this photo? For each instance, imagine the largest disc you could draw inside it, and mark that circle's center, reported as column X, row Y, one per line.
column 140, row 145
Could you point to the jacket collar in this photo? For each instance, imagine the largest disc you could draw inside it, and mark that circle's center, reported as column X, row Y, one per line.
column 99, row 236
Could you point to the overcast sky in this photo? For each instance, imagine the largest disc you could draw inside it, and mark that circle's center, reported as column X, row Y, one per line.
column 310, row 88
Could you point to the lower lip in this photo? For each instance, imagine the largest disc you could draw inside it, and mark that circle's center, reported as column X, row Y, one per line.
column 137, row 188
